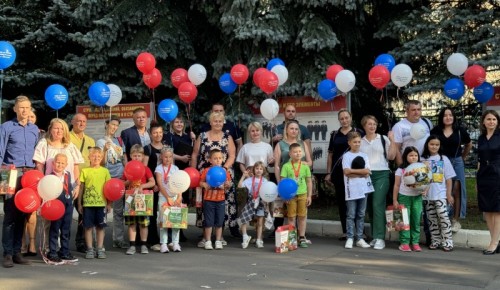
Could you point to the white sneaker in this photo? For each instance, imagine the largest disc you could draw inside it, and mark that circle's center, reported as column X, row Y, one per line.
column 259, row 244
column 348, row 243
column 362, row 244
column 372, row 243
column 245, row 242
column 130, row 250
column 201, row 244
column 455, row 226
column 164, row 248
column 177, row 248
column 218, row 245
column 156, row 247
column 379, row 244
column 224, row 243
column 208, row 245
column 144, row 249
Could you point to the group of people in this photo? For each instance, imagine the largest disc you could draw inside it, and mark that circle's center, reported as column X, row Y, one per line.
column 358, row 165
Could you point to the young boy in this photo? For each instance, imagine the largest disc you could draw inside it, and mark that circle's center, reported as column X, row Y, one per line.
column 147, row 181
column 297, row 206
column 62, row 225
column 92, row 203
column 214, row 202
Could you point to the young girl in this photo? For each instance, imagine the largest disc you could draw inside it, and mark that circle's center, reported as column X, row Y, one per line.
column 255, row 207
column 439, row 192
column 411, row 198
column 162, row 174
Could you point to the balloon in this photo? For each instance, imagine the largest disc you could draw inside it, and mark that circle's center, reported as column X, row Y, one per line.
column 273, row 62
column 257, row 74
column 457, row 64
column 168, row 110
column 56, row 96
column 153, row 79
column 418, row 131
column 197, row 74
column 268, row 82
column 226, row 84
column 114, row 189
column 134, row 170
column 115, row 95
column 345, row 81
column 31, row 178
column 187, row 92
column 239, row 73
column 386, row 60
column 474, row 76
column 50, row 187
column 179, row 76
column 52, row 210
column 332, row 71
column 417, row 175
column 194, row 176
column 287, row 188
column 484, row 92
column 7, row 54
column 216, row 176
column 179, row 182
column 281, row 72
column 99, row 93
column 268, row 192
column 145, row 62
column 401, row 75
column 269, row 109
column 327, row 90
column 379, row 76
column 454, row 88
column 26, row 200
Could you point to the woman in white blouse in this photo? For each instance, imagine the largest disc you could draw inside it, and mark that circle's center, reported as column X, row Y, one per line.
column 379, row 149
column 255, row 150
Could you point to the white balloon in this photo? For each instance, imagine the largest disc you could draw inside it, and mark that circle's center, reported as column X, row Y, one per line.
column 345, row 80
column 457, row 64
column 115, row 95
column 269, row 109
column 268, row 192
column 197, row 74
column 282, row 72
column 179, row 182
column 401, row 75
column 50, row 187
column 417, row 131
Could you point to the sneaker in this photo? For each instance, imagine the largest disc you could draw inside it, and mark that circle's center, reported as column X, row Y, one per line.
column 259, row 244
column 303, row 243
column 120, row 245
column 131, row 250
column 54, row 259
column 379, row 244
column 208, row 245
column 348, row 243
column 455, row 226
column 372, row 243
column 101, row 253
column 253, row 241
column 68, row 258
column 224, row 243
column 362, row 244
column 164, row 248
column 156, row 247
column 177, row 248
column 404, row 248
column 201, row 244
column 218, row 245
column 144, row 249
column 416, row 248
column 171, row 246
column 245, row 242
column 90, row 254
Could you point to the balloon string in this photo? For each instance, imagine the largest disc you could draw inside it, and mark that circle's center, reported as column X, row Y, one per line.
column 382, row 96
column 57, row 114
column 397, row 93
column 1, row 94
column 154, row 105
column 239, row 105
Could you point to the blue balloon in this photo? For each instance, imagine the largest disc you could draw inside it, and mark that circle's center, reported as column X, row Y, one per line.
column 327, row 90
column 168, row 110
column 273, row 62
column 386, row 60
column 484, row 92
column 99, row 93
column 454, row 88
column 226, row 84
column 56, row 96
column 216, row 176
column 287, row 188
column 7, row 54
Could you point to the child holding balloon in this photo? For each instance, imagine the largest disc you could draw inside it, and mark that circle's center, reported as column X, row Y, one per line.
column 255, row 207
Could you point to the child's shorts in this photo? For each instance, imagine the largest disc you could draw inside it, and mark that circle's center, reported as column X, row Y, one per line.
column 297, row 206
column 141, row 220
column 214, row 211
column 94, row 217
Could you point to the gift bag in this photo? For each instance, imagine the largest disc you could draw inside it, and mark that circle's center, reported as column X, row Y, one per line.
column 397, row 218
column 174, row 217
column 279, row 209
column 8, row 179
column 269, row 222
column 138, row 203
column 286, row 239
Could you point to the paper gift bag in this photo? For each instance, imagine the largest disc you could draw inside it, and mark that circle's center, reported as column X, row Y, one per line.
column 397, row 218
column 138, row 203
column 279, row 209
column 285, row 239
column 8, row 179
column 174, row 217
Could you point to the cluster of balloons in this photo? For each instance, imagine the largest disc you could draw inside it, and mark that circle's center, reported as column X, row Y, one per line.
column 181, row 180
column 7, row 54
column 101, row 94
column 386, row 70
column 337, row 80
column 228, row 82
column 268, row 79
column 146, row 63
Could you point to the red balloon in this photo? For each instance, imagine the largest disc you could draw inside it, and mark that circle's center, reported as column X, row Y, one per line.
column 134, row 170
column 153, row 79
column 114, row 189
column 145, row 62
column 187, row 92
column 52, row 210
column 332, row 71
column 268, row 82
column 31, row 178
column 179, row 76
column 257, row 74
column 27, row 200
column 194, row 176
column 474, row 76
column 379, row 76
column 239, row 73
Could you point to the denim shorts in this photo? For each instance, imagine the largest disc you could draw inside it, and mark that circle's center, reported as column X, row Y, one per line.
column 94, row 217
column 214, row 211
